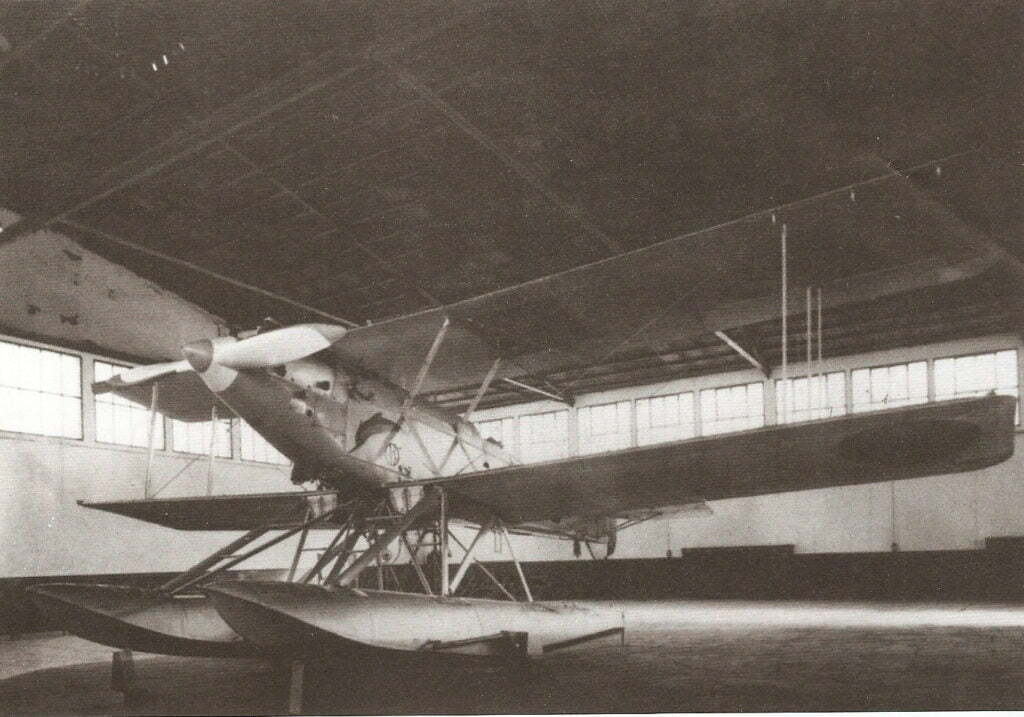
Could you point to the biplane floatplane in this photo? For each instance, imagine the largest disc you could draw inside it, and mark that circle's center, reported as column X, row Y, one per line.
column 338, row 401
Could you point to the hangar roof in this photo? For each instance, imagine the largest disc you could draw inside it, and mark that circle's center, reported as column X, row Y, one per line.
column 368, row 160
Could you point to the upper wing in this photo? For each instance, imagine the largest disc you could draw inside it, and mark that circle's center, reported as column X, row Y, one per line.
column 712, row 280
column 911, row 442
column 180, row 395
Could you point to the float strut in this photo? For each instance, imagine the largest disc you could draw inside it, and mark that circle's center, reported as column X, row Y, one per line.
column 426, row 504
column 443, row 535
column 515, row 560
column 468, row 560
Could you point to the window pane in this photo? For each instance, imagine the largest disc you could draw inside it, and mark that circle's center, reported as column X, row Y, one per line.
column 825, row 398
column 732, row 408
column 977, row 375
column 889, row 386
column 39, row 390
column 500, row 430
column 544, row 436
column 257, row 448
column 604, row 428
column 195, row 437
column 120, row 421
column 664, row 418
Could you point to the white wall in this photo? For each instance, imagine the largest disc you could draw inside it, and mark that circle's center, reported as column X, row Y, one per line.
column 43, row 531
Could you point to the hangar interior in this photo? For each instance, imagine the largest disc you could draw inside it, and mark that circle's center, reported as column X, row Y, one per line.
column 183, row 170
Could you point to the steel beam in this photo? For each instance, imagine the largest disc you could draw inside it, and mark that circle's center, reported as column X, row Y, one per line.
column 760, row 365
column 539, row 391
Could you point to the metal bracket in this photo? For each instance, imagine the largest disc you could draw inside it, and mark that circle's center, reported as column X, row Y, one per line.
column 507, row 642
column 552, row 646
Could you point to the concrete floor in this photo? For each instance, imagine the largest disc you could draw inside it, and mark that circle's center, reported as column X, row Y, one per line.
column 680, row 656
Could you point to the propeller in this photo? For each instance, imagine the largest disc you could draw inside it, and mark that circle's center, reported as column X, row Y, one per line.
column 265, row 350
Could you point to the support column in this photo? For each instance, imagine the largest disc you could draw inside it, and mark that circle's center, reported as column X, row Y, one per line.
column 442, row 529
column 213, row 449
column 122, row 674
column 296, row 683
column 148, row 486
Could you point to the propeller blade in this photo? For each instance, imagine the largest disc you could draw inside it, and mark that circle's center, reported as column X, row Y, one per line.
column 279, row 346
column 141, row 374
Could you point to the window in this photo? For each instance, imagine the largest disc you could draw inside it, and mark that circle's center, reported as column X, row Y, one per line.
column 195, row 437
column 604, row 428
column 544, row 436
column 977, row 375
column 502, row 430
column 889, row 386
column 664, row 418
column 255, row 447
column 827, row 398
column 732, row 408
column 120, row 421
column 40, row 391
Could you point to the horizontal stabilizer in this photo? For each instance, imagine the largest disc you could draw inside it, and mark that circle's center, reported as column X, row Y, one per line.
column 231, row 512
column 181, row 395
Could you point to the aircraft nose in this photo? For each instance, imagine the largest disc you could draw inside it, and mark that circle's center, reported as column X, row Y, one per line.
column 199, row 355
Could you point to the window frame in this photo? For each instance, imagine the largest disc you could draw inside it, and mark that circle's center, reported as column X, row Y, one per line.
column 524, row 445
column 846, row 407
column 928, row 378
column 627, row 435
column 82, row 420
column 242, row 425
column 694, row 418
column 934, row 395
column 704, row 423
column 217, row 456
column 96, row 399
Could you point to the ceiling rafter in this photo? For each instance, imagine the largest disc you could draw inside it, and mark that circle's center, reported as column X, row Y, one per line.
column 221, row 125
column 572, row 211
column 192, row 266
column 24, row 48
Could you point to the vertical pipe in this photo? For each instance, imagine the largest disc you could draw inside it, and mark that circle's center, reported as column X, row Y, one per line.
column 443, row 540
column 785, row 386
column 810, row 348
column 148, row 487
column 213, row 445
column 821, row 368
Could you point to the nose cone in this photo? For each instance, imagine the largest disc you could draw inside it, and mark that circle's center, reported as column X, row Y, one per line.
column 199, row 355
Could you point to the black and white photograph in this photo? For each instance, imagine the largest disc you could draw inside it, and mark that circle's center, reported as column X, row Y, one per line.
column 426, row 357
